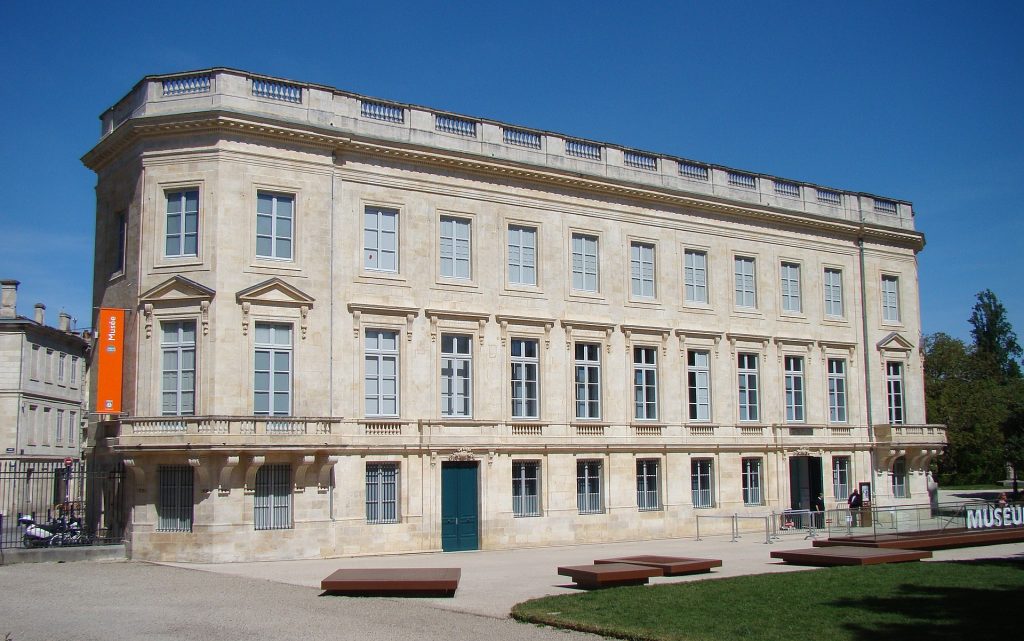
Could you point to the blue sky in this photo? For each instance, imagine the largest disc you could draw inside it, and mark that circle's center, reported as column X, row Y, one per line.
column 922, row 101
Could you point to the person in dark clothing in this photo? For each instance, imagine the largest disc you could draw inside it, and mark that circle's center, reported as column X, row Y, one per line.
column 818, row 507
column 855, row 502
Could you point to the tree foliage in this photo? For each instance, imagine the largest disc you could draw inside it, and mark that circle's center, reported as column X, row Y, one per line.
column 995, row 343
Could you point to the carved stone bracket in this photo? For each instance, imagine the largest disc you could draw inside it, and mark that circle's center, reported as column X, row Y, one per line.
column 504, row 321
column 147, row 312
column 246, row 308
column 571, row 327
column 202, row 472
column 326, row 464
column 302, row 471
column 224, row 482
column 689, row 337
column 663, row 332
column 204, row 311
column 255, row 463
column 304, row 323
column 138, row 474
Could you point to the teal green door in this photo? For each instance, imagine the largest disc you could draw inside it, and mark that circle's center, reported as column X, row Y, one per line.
column 459, row 513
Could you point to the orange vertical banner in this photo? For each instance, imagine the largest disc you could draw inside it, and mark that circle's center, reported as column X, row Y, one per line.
column 110, row 360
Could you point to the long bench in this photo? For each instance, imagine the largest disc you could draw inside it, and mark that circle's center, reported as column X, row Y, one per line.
column 393, row 581
column 669, row 565
column 848, row 555
column 603, row 575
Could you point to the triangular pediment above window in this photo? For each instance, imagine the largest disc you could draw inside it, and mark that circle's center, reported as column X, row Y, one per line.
column 275, row 292
column 895, row 343
column 177, row 289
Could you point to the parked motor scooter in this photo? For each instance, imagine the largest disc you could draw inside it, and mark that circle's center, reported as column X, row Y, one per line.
column 60, row 531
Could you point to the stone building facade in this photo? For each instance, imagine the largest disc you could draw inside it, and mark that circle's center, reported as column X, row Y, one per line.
column 358, row 326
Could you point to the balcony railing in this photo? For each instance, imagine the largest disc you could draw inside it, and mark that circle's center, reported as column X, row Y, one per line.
column 639, row 160
column 224, row 425
column 788, row 189
column 582, row 149
column 276, row 90
column 185, row 85
column 521, row 138
column 453, row 125
column 746, row 181
column 829, row 197
column 693, row 171
column 381, row 111
column 885, row 207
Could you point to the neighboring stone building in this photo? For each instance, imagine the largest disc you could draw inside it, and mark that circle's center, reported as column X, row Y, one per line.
column 357, row 326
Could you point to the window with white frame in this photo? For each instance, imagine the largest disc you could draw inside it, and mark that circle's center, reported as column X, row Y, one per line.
column 752, row 481
column 790, row 285
column 702, row 482
column 645, row 383
column 588, row 380
column 73, row 378
column 380, row 239
column 647, row 484
column 525, row 378
column 525, row 488
column 833, row 284
column 841, row 477
column 72, row 427
column 641, row 270
column 59, row 431
column 178, row 368
column 585, row 263
column 899, row 478
column 747, row 376
column 45, row 425
column 456, row 376
column 272, row 505
column 746, row 283
column 455, row 247
column 695, row 276
column 588, row 487
column 794, row 374
column 48, row 367
column 275, row 218
column 181, row 230
column 382, row 493
column 894, row 391
column 174, row 498
column 380, row 372
column 522, row 255
column 837, row 390
column 890, row 299
column 272, row 370
column 698, row 379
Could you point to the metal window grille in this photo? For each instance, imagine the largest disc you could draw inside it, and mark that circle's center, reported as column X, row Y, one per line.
column 746, row 284
column 695, row 276
column 840, row 477
column 455, row 248
column 788, row 189
column 748, row 387
column 833, row 292
column 522, row 255
column 640, row 161
column 174, row 505
column 521, row 138
column 885, row 207
column 380, row 239
column 794, row 376
column 752, row 481
column 525, row 488
column 276, row 90
column 274, row 225
column 894, row 392
column 582, row 149
column 647, row 495
column 454, row 125
column 698, row 374
column 273, row 498
column 645, row 383
column 381, row 111
column 186, row 85
column 693, row 171
column 746, row 181
column 456, row 376
column 701, row 483
column 790, row 282
column 585, row 264
column 588, row 380
column 380, row 381
column 588, row 487
column 525, row 383
column 836, row 390
column 829, row 197
column 382, row 493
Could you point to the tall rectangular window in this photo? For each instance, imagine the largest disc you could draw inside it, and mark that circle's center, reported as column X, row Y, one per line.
column 695, row 276
column 746, row 283
column 380, row 239
column 35, row 363
column 274, row 225
column 178, row 368
column 59, row 432
column 61, row 366
column 522, row 255
column 836, row 390
column 891, row 299
column 525, row 378
column 899, row 478
column 585, row 263
column 588, row 380
column 698, row 379
column 455, row 247
column 380, row 374
column 794, row 389
column 747, row 371
column 382, row 493
column 840, row 477
column 790, row 286
column 647, row 494
column 272, row 507
column 833, row 293
column 272, row 370
column 752, row 481
column 74, row 371
column 702, row 482
column 174, row 498
column 456, row 376
column 525, row 488
column 641, row 270
column 894, row 391
column 181, row 232
column 588, row 487
column 645, row 383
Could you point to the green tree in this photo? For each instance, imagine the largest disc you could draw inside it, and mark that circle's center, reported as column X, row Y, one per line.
column 994, row 340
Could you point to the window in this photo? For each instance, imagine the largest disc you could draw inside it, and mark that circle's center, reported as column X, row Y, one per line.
column 272, row 380
column 790, row 285
column 274, row 221
column 522, row 255
column 59, row 432
column 794, row 389
column 899, row 478
column 588, row 487
column 380, row 239
column 48, row 366
column 455, row 247
column 890, row 299
column 74, row 371
column 751, row 473
column 45, row 425
column 695, row 276
column 841, row 477
column 836, row 390
column 61, row 364
column 456, row 376
column 34, row 363
column 701, row 482
column 645, row 383
column 382, row 493
column 833, row 293
column 181, row 233
column 585, row 265
column 525, row 380
column 894, row 391
column 647, row 485
column 72, row 427
column 588, row 380
column 380, row 376
column 525, row 488
column 178, row 368
column 272, row 508
column 121, row 249
column 641, row 270
column 746, row 288
column 747, row 369
column 174, row 498
column 698, row 376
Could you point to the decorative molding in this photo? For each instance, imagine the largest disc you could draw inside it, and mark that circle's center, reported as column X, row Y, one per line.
column 572, row 326
column 323, row 483
column 224, row 480
column 462, row 454
column 359, row 309
column 663, row 332
column 255, row 463
column 434, row 315
column 202, row 471
column 175, row 291
column 504, row 320
column 275, row 292
column 306, row 462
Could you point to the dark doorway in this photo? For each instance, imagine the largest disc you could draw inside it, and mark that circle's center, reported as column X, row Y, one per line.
column 805, row 481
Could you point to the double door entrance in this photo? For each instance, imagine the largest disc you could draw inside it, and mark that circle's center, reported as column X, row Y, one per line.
column 805, row 483
column 460, row 500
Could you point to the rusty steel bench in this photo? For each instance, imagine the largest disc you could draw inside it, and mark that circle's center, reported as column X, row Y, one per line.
column 849, row 555
column 602, row 575
column 669, row 565
column 393, row 581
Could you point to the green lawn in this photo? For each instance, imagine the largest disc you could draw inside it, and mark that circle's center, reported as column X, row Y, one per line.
column 956, row 601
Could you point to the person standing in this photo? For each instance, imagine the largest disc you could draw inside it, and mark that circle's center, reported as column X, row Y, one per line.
column 854, row 502
column 818, row 506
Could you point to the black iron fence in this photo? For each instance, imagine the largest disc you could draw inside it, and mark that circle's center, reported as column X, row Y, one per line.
column 90, row 503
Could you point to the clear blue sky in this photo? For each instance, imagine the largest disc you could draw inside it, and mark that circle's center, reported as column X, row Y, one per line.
column 922, row 101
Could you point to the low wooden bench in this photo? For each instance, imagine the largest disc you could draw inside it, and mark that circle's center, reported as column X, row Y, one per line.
column 849, row 555
column 669, row 565
column 602, row 575
column 393, row 581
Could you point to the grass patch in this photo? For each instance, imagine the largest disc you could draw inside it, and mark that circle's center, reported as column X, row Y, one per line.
column 973, row 600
